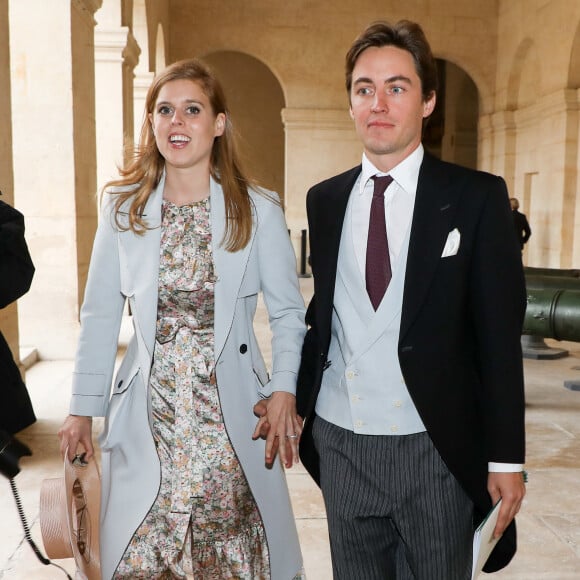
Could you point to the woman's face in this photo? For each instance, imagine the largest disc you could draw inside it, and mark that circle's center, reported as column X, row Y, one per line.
column 184, row 124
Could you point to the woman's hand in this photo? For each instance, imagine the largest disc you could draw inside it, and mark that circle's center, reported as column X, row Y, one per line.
column 74, row 431
column 280, row 425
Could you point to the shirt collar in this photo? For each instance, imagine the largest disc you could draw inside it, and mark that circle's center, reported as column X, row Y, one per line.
column 405, row 174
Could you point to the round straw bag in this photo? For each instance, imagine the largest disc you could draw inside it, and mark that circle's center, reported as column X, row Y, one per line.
column 69, row 515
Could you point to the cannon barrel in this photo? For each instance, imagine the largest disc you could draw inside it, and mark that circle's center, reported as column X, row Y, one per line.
column 541, row 282
column 570, row 273
column 553, row 313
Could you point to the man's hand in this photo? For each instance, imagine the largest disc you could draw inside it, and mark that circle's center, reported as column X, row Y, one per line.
column 510, row 487
column 280, row 425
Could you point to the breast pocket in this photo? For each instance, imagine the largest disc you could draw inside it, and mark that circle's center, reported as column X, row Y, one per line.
column 251, row 281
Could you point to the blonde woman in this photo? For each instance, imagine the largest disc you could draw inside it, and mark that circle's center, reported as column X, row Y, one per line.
column 189, row 489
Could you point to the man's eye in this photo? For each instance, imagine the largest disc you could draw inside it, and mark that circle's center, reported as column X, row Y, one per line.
column 365, row 91
column 397, row 90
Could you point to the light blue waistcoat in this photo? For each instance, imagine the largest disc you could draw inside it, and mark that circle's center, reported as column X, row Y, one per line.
column 363, row 389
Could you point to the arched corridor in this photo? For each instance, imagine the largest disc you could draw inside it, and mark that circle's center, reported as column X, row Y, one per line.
column 74, row 75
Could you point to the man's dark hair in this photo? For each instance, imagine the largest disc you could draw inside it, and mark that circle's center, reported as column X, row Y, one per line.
column 405, row 35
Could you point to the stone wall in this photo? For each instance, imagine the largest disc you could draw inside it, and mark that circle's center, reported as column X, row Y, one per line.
column 77, row 92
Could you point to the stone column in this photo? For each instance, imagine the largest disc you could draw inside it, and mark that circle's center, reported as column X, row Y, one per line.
column 320, row 143
column 53, row 96
column 8, row 315
column 503, row 135
column 548, row 151
column 141, row 85
column 116, row 55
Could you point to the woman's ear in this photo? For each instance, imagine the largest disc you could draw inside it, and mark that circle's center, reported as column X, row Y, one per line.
column 220, row 124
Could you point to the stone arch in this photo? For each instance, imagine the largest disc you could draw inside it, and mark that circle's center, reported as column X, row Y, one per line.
column 451, row 133
column 524, row 77
column 256, row 112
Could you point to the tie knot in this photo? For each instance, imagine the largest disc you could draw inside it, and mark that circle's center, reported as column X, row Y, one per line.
column 381, row 183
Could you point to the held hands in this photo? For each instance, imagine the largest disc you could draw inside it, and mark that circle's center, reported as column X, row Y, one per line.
column 280, row 425
column 74, row 431
column 510, row 487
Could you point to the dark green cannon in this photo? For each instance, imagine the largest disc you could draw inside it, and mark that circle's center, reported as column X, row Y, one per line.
column 543, row 282
column 544, row 314
column 570, row 273
column 553, row 313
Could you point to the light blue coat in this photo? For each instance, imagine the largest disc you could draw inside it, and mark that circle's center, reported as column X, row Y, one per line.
column 125, row 266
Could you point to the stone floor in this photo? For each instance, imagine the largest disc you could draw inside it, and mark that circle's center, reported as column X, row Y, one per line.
column 549, row 523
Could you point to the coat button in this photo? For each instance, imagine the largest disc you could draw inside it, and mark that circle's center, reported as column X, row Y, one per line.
column 244, row 348
column 120, row 384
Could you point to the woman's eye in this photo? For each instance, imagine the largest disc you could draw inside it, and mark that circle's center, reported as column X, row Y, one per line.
column 193, row 110
column 165, row 110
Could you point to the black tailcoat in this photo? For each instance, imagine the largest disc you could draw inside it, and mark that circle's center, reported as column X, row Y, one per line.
column 459, row 345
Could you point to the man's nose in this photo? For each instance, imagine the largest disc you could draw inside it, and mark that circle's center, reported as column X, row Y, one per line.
column 380, row 102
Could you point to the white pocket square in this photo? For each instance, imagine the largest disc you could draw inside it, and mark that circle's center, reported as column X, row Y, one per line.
column 452, row 244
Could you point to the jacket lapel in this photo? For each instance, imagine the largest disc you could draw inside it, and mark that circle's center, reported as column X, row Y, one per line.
column 229, row 268
column 435, row 206
column 139, row 259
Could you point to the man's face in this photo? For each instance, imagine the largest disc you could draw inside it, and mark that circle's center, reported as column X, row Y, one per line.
column 387, row 106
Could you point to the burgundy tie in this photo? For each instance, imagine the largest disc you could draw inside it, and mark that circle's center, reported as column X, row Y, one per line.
column 378, row 264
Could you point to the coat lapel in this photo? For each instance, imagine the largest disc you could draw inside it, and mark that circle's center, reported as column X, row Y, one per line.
column 435, row 206
column 140, row 269
column 229, row 268
column 140, row 258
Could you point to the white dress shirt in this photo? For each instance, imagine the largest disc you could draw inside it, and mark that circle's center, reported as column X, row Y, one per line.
column 399, row 204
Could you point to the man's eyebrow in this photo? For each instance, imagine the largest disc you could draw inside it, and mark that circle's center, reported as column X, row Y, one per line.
column 389, row 80
column 398, row 78
column 360, row 80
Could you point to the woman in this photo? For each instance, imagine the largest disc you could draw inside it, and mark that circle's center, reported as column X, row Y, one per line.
column 189, row 243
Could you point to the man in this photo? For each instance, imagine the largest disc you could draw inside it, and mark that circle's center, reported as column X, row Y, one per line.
column 414, row 407
column 521, row 225
column 16, row 273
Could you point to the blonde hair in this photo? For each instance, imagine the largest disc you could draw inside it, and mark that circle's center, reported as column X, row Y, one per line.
column 145, row 166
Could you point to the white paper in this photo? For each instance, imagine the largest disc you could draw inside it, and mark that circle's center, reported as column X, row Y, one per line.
column 483, row 540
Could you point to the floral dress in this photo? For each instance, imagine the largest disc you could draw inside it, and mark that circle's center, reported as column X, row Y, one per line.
column 204, row 523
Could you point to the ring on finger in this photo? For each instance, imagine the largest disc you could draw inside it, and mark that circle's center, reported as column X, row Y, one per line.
column 292, row 436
